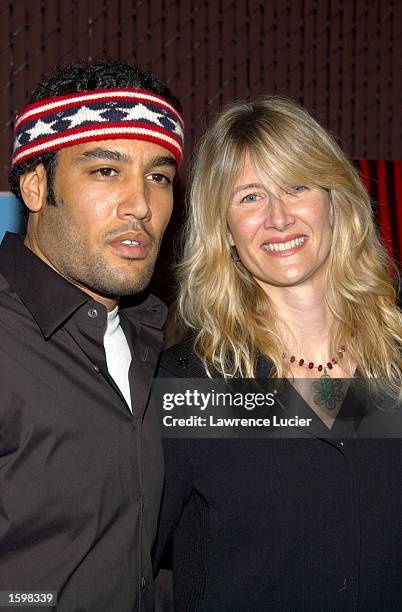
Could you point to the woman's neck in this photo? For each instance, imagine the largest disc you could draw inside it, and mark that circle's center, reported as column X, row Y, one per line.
column 304, row 321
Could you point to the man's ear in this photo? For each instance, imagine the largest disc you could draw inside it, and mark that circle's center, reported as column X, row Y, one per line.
column 33, row 187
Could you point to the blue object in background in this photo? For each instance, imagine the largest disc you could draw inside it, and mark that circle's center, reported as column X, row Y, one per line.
column 11, row 219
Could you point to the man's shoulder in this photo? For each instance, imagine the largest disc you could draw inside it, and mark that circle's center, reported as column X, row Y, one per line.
column 144, row 309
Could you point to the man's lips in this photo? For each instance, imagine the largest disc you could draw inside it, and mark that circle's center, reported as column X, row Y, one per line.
column 131, row 245
column 284, row 246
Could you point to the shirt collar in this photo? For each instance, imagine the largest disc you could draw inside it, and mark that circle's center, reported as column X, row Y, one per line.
column 50, row 298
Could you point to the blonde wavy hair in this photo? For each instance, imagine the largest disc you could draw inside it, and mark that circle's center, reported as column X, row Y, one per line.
column 231, row 317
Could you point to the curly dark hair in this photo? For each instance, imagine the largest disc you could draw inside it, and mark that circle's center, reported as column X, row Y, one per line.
column 84, row 76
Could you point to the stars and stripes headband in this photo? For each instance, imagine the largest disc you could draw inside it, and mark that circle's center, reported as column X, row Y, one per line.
column 64, row 121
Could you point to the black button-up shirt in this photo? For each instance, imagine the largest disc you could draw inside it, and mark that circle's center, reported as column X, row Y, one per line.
column 80, row 476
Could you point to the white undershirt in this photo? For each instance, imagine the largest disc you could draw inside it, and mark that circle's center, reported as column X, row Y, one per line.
column 118, row 355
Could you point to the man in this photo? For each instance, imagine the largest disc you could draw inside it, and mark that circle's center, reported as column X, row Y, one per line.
column 81, row 470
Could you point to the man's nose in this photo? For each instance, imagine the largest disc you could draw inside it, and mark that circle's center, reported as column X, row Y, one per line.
column 277, row 214
column 134, row 202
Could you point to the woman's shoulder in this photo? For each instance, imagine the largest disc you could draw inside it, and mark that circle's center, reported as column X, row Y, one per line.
column 181, row 361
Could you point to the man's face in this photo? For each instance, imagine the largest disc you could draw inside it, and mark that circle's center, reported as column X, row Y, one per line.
column 114, row 199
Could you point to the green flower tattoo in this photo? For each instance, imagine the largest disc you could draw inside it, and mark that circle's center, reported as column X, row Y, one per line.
column 327, row 392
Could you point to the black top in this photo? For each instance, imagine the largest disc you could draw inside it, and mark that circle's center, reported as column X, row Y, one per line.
column 309, row 523
column 80, row 475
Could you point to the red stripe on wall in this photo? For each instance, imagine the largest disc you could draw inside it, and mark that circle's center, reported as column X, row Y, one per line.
column 383, row 208
column 365, row 174
column 398, row 200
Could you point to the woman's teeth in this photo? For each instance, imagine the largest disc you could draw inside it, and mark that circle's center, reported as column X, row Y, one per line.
column 283, row 246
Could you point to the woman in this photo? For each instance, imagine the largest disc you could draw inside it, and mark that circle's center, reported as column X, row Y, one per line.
column 283, row 276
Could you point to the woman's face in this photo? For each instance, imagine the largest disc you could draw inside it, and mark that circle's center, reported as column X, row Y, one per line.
column 283, row 239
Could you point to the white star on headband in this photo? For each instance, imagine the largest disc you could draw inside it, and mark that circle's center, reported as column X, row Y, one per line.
column 40, row 129
column 139, row 111
column 85, row 114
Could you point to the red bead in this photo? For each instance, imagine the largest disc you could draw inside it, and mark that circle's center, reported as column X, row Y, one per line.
column 319, row 368
column 333, row 360
column 292, row 359
column 301, row 362
column 329, row 365
column 311, row 365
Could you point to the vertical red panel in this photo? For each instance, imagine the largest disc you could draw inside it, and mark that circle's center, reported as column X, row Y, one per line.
column 398, row 200
column 365, row 174
column 383, row 208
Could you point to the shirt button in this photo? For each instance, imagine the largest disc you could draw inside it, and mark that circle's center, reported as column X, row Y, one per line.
column 143, row 582
column 92, row 313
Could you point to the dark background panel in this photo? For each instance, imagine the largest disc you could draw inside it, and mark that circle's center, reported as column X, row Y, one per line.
column 340, row 59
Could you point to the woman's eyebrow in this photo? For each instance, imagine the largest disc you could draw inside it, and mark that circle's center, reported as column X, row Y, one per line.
column 248, row 186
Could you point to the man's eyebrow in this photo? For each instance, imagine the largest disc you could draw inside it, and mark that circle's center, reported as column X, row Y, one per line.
column 162, row 160
column 109, row 154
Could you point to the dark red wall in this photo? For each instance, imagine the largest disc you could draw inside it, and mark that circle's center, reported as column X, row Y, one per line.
column 340, row 59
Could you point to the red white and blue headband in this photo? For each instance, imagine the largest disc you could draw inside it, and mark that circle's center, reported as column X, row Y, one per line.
column 64, row 121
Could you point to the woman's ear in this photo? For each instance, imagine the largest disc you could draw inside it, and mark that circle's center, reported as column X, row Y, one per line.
column 33, row 187
column 230, row 238
column 331, row 208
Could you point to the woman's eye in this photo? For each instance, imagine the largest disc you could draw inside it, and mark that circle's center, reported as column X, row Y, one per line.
column 105, row 172
column 156, row 177
column 251, row 197
column 297, row 189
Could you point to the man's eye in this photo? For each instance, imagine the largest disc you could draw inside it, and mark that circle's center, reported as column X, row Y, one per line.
column 104, row 172
column 156, row 177
column 251, row 197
